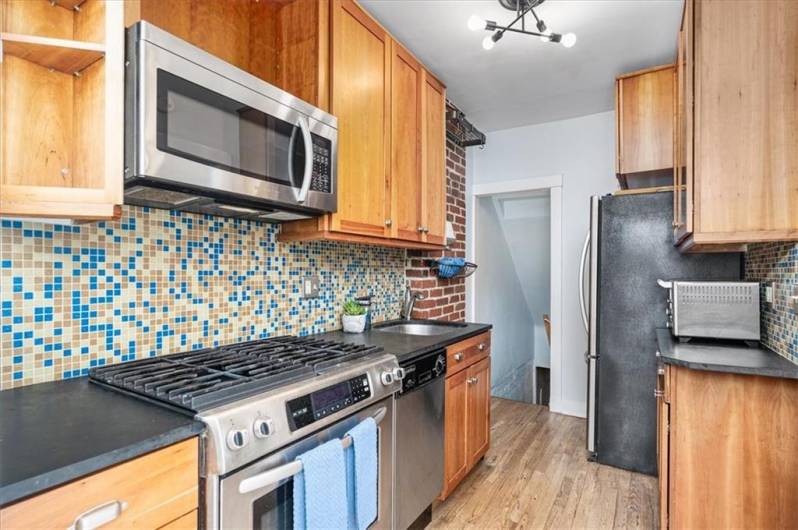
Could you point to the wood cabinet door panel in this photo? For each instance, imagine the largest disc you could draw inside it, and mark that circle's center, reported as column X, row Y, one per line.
column 646, row 121
column 478, row 411
column 433, row 155
column 746, row 120
column 733, row 450
column 157, row 488
column 360, row 100
column 405, row 144
column 455, row 465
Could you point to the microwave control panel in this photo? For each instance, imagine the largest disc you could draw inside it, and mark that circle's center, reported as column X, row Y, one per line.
column 312, row 407
column 321, row 178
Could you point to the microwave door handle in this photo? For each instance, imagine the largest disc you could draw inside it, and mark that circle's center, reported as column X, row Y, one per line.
column 275, row 475
column 306, row 177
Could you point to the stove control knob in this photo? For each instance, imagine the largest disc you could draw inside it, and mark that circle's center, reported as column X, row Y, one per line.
column 440, row 365
column 387, row 378
column 263, row 427
column 237, row 438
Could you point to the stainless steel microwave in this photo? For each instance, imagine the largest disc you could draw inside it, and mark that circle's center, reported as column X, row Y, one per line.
column 202, row 135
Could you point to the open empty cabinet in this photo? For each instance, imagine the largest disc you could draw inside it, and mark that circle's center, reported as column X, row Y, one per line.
column 62, row 106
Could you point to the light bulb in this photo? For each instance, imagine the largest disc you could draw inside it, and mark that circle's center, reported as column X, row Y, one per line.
column 476, row 23
column 568, row 40
column 488, row 43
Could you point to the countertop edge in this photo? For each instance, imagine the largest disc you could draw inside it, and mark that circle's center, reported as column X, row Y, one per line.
column 482, row 328
column 665, row 341
column 19, row 491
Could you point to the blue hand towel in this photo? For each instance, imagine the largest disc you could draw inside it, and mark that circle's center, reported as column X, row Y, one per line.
column 320, row 489
column 361, row 464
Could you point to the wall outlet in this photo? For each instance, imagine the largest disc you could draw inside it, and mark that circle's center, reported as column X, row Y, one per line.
column 310, row 286
column 769, row 294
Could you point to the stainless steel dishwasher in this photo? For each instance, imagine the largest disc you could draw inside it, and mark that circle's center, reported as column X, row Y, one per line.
column 418, row 455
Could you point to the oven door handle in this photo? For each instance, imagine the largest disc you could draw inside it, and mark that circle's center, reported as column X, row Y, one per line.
column 304, row 126
column 275, row 475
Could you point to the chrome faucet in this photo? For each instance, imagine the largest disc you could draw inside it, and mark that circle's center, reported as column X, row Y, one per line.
column 411, row 298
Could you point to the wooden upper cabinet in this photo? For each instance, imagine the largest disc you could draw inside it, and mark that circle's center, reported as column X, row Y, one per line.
column 683, row 135
column 645, row 120
column 406, row 117
column 433, row 159
column 744, row 166
column 61, row 103
column 361, row 55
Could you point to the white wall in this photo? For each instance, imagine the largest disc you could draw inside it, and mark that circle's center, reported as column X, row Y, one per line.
column 502, row 303
column 582, row 150
column 526, row 222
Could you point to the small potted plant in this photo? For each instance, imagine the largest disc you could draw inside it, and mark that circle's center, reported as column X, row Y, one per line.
column 354, row 317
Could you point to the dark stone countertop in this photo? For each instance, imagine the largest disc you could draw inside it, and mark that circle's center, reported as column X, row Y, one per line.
column 723, row 356
column 53, row 433
column 404, row 346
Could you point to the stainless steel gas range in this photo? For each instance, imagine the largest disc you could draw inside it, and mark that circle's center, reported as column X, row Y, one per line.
column 264, row 403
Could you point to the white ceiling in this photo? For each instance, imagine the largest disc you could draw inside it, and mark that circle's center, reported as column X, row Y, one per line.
column 523, row 80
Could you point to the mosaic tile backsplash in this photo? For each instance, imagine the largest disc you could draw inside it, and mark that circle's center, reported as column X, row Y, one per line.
column 777, row 263
column 158, row 282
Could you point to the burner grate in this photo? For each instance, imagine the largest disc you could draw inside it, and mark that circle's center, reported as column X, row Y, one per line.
column 201, row 379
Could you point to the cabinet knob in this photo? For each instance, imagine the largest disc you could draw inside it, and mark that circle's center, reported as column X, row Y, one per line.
column 472, row 380
column 458, row 357
column 420, row 229
column 481, row 346
column 388, row 222
column 426, row 230
column 658, row 393
column 661, row 371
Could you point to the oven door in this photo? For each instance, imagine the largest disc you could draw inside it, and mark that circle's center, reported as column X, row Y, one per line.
column 260, row 496
column 199, row 130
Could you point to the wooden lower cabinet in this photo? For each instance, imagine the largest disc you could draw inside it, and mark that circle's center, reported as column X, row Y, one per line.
column 157, row 490
column 728, row 450
column 467, row 411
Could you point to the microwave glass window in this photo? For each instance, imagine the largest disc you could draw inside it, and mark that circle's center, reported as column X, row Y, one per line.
column 201, row 125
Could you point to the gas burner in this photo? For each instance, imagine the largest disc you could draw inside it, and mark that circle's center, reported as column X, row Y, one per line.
column 203, row 379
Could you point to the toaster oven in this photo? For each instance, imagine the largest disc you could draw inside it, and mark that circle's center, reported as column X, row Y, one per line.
column 720, row 310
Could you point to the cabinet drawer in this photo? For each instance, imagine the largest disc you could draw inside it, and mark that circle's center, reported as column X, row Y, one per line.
column 154, row 489
column 467, row 352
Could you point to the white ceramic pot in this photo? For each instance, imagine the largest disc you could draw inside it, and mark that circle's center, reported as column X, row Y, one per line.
column 353, row 323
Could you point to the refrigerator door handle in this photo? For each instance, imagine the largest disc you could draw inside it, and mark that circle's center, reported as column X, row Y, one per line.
column 582, row 268
column 590, row 315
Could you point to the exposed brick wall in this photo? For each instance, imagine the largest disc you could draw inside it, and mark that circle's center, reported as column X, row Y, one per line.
column 445, row 299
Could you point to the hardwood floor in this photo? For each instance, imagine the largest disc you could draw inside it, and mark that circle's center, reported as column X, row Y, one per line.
column 535, row 475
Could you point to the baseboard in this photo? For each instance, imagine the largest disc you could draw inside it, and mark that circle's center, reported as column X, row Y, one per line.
column 569, row 408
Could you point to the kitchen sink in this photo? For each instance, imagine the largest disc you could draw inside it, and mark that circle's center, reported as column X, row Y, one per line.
column 419, row 328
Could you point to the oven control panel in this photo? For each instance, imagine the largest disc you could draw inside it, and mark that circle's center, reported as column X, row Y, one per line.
column 321, row 177
column 315, row 406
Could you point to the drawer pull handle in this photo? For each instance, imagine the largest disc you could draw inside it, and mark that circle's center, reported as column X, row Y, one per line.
column 458, row 357
column 98, row 516
column 481, row 346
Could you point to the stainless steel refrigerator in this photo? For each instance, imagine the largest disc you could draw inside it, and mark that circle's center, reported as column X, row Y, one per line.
column 630, row 246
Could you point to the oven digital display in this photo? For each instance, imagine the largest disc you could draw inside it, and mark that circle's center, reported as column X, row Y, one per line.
column 304, row 410
column 331, row 395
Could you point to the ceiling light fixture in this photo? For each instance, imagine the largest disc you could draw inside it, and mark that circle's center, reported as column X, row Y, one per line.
column 521, row 8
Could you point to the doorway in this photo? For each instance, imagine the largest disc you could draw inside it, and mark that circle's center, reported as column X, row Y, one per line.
column 515, row 240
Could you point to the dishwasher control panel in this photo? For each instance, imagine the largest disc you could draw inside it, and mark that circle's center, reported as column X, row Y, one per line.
column 422, row 370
